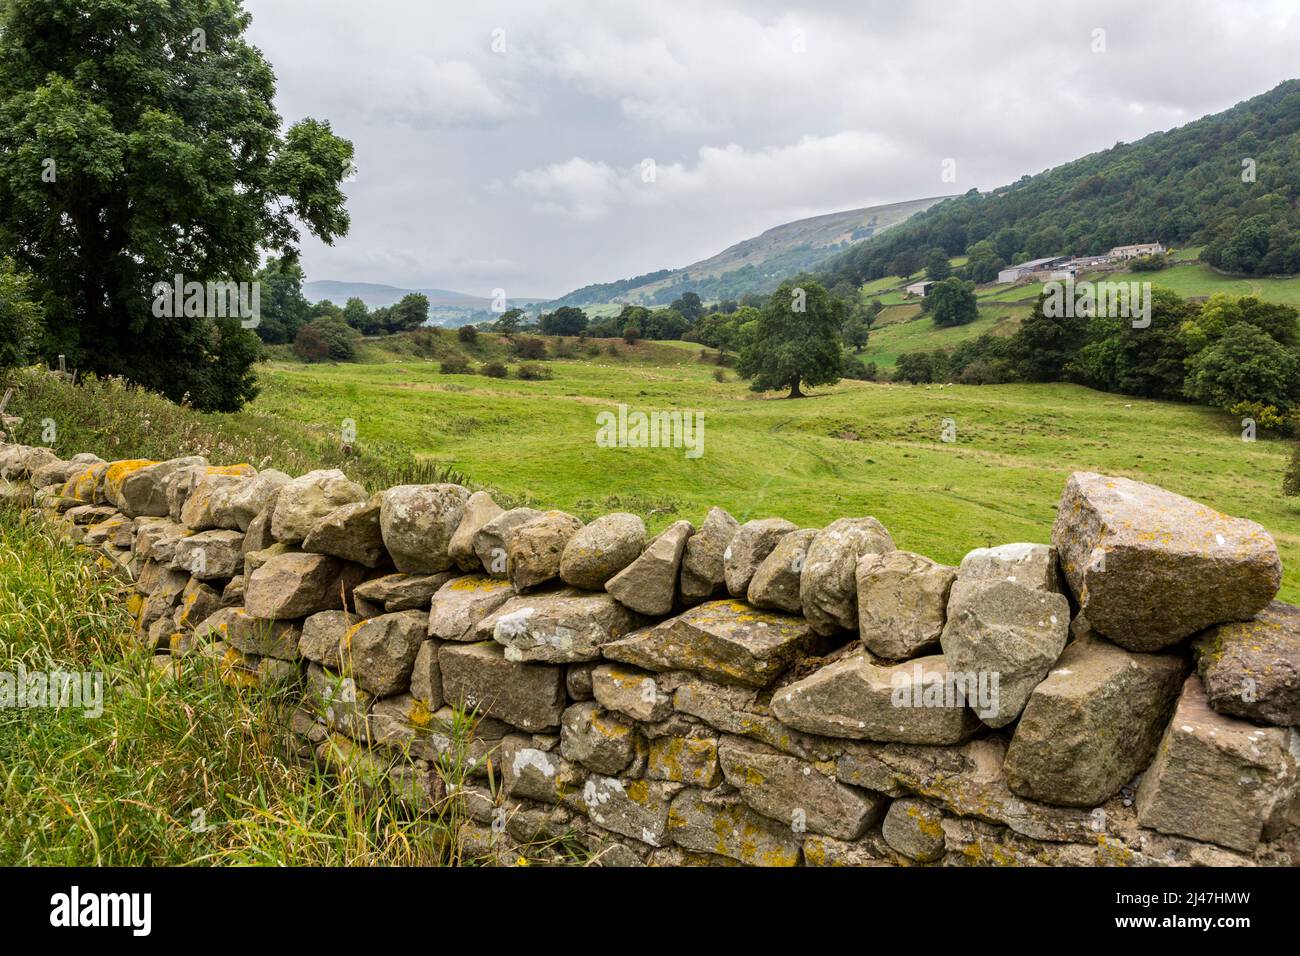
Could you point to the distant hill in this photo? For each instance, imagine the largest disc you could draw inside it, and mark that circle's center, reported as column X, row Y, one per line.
column 757, row 264
column 375, row 295
column 1229, row 182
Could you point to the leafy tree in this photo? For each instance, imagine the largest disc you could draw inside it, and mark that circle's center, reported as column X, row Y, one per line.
column 789, row 346
column 631, row 334
column 467, row 334
column 409, row 314
column 284, row 309
column 356, row 314
column 951, row 302
column 1149, row 362
column 166, row 158
column 984, row 262
column 1245, row 365
column 937, row 267
column 914, row 367
column 664, row 325
column 1044, row 345
column 688, row 306
column 566, row 320
column 21, row 322
column 509, row 322
column 856, row 333
column 330, row 332
column 326, row 307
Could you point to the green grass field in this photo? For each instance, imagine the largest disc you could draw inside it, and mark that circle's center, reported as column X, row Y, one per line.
column 852, row 449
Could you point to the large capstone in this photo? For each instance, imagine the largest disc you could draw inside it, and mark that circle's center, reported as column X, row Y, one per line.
column 478, row 677
column 703, row 571
column 828, row 586
column 749, row 547
column 902, row 603
column 558, row 627
column 1149, row 567
column 417, row 522
column 296, row 585
column 649, row 584
column 601, row 550
column 775, row 584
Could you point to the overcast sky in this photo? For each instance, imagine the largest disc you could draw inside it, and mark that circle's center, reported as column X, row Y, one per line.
column 504, row 144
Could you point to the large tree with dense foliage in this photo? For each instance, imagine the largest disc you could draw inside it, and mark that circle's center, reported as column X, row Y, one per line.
column 795, row 340
column 1245, row 365
column 138, row 142
column 284, row 308
column 951, row 302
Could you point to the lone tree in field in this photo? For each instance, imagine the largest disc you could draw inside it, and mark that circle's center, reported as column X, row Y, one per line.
column 138, row 142
column 796, row 340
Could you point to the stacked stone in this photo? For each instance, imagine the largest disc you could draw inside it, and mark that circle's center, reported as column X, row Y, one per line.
column 752, row 693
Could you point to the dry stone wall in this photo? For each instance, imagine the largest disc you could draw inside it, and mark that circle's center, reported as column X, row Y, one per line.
column 735, row 693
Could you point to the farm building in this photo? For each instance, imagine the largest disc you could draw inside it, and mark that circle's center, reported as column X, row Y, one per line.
column 1136, row 250
column 1022, row 270
column 919, row 288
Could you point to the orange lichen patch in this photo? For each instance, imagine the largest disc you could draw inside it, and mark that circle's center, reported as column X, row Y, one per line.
column 236, row 471
column 117, row 472
column 479, row 583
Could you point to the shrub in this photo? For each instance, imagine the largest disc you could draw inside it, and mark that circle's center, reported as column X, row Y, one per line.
column 719, row 375
column 631, row 334
column 328, row 337
column 467, row 334
column 495, row 370
column 455, row 365
column 530, row 347
column 531, row 372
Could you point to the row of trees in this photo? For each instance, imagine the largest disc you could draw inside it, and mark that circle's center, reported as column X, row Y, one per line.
column 1239, row 354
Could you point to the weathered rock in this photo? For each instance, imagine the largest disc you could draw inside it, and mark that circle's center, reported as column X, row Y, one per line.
column 339, row 702
column 380, row 652
column 297, row 585
column 690, row 759
column 194, row 490
column 18, row 462
column 426, row 676
column 258, row 537
column 248, row 635
column 723, row 824
column 871, row 850
column 351, row 533
column 557, row 627
column 799, row 794
column 459, row 605
column 601, row 550
column 198, row 602
column 535, row 548
column 1218, row 778
column 478, row 676
column 82, row 483
column 776, row 582
column 745, row 712
column 303, row 501
column 479, row 510
column 532, row 773
column 914, row 828
column 1252, row 669
column 1093, row 723
column 1032, row 565
column 91, row 514
column 1008, row 630
column 649, row 584
column 599, row 739
column 632, row 808
column 630, row 691
column 828, row 587
column 1149, row 567
column 401, row 722
column 323, row 633
column 492, row 541
column 401, row 591
column 902, row 603
column 139, row 487
column 703, row 565
column 919, row 702
column 748, row 548
column 236, row 504
column 209, row 555
column 58, row 472
column 577, row 680
column 726, row 640
column 418, row 521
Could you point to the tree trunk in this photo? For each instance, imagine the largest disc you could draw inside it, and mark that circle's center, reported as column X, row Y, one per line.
column 794, row 390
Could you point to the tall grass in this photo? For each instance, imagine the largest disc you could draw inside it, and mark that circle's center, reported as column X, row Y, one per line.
column 113, row 419
column 177, row 770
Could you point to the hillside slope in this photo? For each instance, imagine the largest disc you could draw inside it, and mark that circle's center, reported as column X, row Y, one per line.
column 1229, row 182
column 757, row 264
